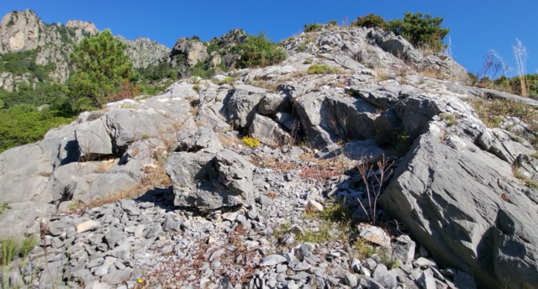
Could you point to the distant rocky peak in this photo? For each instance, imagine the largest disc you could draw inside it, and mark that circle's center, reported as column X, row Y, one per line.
column 235, row 36
column 87, row 27
column 19, row 31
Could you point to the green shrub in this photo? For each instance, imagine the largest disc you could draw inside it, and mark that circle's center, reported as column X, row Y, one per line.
column 227, row 80
column 301, row 47
column 369, row 21
column 19, row 63
column 312, row 27
column 420, row 30
column 332, row 22
column 259, row 51
column 157, row 72
column 27, row 245
column 203, row 70
column 213, row 46
column 24, row 124
column 4, row 206
column 321, row 69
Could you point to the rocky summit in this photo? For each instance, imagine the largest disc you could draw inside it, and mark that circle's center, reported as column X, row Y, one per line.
column 357, row 162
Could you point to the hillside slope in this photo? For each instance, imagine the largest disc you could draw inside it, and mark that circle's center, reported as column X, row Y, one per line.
column 355, row 127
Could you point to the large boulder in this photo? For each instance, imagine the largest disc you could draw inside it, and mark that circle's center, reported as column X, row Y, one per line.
column 193, row 50
column 209, row 181
column 267, row 131
column 459, row 203
column 126, row 125
column 93, row 139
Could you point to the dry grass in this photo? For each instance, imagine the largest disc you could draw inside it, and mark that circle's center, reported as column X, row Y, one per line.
column 433, row 73
column 273, row 163
column 324, row 169
column 381, row 75
column 272, row 195
column 154, row 176
column 229, row 141
column 270, row 86
column 104, row 166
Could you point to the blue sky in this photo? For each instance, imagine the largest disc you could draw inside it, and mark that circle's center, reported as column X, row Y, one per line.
column 476, row 26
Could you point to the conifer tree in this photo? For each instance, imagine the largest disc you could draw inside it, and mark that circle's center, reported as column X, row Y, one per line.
column 102, row 69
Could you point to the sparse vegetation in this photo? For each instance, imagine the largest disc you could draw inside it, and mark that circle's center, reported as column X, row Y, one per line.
column 492, row 113
column 10, row 249
column 420, row 30
column 4, row 206
column 259, row 51
column 370, row 21
column 449, row 118
column 312, row 27
column 322, row 69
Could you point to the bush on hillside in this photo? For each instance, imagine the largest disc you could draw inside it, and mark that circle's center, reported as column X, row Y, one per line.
column 259, row 51
column 369, row 21
column 157, row 72
column 420, row 30
column 321, row 69
column 312, row 27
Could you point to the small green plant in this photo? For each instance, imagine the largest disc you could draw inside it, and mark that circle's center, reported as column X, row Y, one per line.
column 196, row 87
column 145, row 136
column 336, row 213
column 251, row 142
column 531, row 184
column 4, row 206
column 332, row 23
column 282, row 229
column 321, row 69
column 363, row 248
column 324, row 233
column 308, row 61
column 301, row 47
column 27, row 245
column 227, row 80
column 75, row 204
column 10, row 248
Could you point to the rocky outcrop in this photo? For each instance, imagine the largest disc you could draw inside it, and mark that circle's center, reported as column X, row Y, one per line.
column 143, row 52
column 414, row 156
column 468, row 220
column 192, row 50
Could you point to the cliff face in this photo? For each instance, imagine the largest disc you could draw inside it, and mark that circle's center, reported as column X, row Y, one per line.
column 144, row 52
column 24, row 31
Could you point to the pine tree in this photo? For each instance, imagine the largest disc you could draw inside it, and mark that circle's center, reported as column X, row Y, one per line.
column 419, row 30
column 102, row 69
